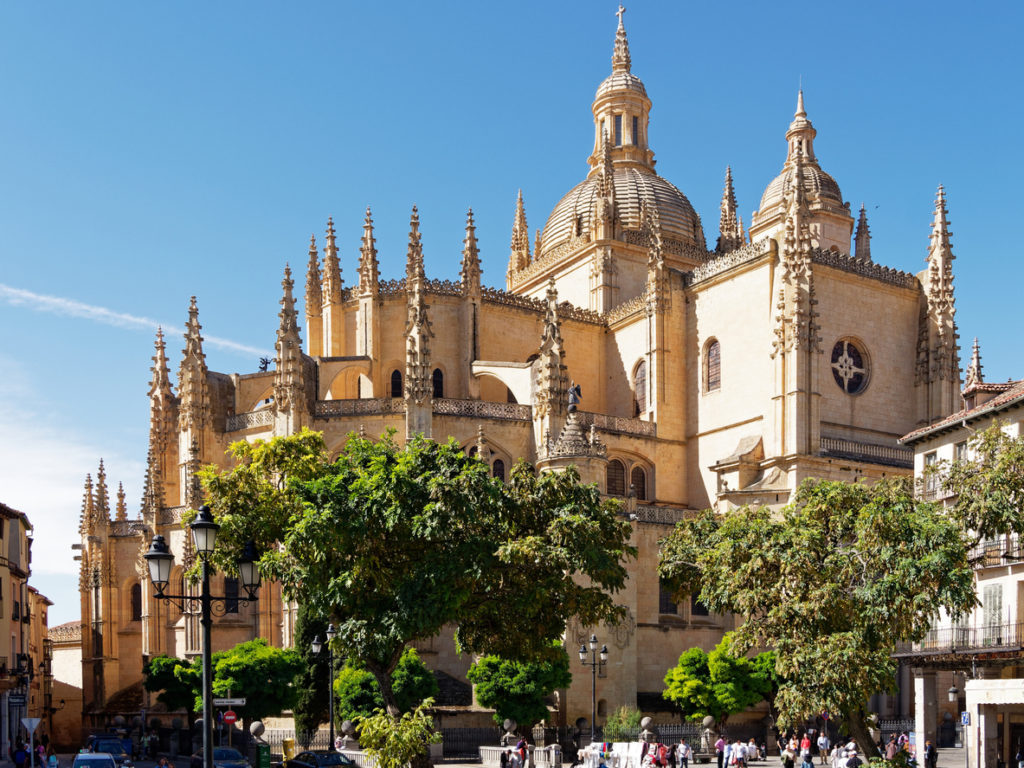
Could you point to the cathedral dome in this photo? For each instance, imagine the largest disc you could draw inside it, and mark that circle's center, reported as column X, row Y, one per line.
column 576, row 212
column 620, row 81
column 817, row 185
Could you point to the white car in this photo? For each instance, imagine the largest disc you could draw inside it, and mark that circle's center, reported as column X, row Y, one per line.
column 94, row 760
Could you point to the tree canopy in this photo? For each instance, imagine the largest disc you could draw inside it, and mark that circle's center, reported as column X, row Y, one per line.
column 720, row 683
column 357, row 692
column 261, row 674
column 831, row 582
column 518, row 689
column 392, row 543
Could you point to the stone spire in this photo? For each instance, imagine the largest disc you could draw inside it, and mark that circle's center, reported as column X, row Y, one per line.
column 801, row 134
column 606, row 184
column 332, row 289
column 469, row 275
column 414, row 271
column 657, row 279
column 973, row 375
column 730, row 225
column 314, row 298
column 862, row 240
column 102, row 504
column 520, row 254
column 88, row 517
column 552, row 374
column 289, row 379
column 605, row 219
column 796, row 326
column 941, row 301
column 369, row 269
column 418, row 385
column 162, row 417
column 153, row 487
column 193, row 387
column 122, row 509
column 620, row 55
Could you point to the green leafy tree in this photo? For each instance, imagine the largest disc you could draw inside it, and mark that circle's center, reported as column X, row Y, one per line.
column 623, row 724
column 357, row 692
column 393, row 543
column 831, row 582
column 720, row 683
column 259, row 673
column 311, row 704
column 988, row 485
column 398, row 742
column 176, row 680
column 518, row 689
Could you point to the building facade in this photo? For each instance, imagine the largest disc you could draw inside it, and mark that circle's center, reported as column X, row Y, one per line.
column 974, row 665
column 711, row 376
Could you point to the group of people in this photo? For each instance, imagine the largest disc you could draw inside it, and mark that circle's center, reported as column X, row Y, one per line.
column 22, row 758
column 515, row 758
column 811, row 743
column 738, row 754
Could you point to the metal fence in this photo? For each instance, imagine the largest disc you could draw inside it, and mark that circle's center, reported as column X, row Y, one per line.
column 466, row 742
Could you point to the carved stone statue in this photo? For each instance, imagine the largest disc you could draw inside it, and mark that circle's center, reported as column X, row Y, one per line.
column 575, row 395
column 509, row 738
column 648, row 730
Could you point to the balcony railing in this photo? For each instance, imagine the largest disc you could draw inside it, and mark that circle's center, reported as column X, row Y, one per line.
column 987, row 638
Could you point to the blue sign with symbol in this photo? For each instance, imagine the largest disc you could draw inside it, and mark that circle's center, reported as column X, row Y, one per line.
column 965, row 718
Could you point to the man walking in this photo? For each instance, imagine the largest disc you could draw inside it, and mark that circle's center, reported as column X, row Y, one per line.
column 823, row 747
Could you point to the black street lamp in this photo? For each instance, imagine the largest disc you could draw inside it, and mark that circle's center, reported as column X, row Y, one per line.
column 597, row 661
column 160, row 560
column 317, row 647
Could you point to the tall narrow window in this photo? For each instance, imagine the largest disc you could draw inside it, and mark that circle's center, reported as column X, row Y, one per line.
column 636, row 131
column 960, row 451
column 618, row 130
column 666, row 603
column 638, row 479
column 992, row 614
column 697, row 608
column 615, row 476
column 231, row 594
column 136, row 602
column 931, row 479
column 712, row 366
column 396, row 384
column 498, row 469
column 640, row 388
column 438, row 381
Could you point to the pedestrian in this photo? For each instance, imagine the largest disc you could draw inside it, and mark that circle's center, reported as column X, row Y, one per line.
column 823, row 746
column 853, row 761
column 751, row 751
column 51, row 758
column 504, row 758
column 720, row 751
column 788, row 756
column 684, row 752
column 1019, row 757
column 20, row 756
column 672, row 756
column 931, row 754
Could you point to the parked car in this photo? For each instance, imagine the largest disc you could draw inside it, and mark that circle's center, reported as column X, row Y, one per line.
column 94, row 760
column 319, row 758
column 115, row 748
column 223, row 757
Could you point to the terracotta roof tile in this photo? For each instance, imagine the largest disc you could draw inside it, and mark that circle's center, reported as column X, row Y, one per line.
column 1014, row 393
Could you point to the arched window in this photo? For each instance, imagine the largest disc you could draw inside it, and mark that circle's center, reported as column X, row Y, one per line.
column 136, row 602
column 666, row 602
column 712, row 366
column 438, row 381
column 638, row 479
column 616, row 478
column 396, row 384
column 640, row 388
column 498, row 469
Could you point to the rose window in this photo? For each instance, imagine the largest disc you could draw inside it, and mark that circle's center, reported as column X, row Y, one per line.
column 849, row 367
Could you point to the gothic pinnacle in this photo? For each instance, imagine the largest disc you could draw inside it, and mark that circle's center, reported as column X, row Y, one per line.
column 862, row 239
column 122, row 509
column 973, row 373
column 160, row 384
column 332, row 285
column 414, row 260
column 800, row 111
column 368, row 265
column 620, row 56
column 314, row 294
column 470, row 272
column 520, row 255
column 730, row 228
column 940, row 237
column 102, row 495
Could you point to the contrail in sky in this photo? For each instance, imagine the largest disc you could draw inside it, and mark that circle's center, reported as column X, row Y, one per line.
column 71, row 308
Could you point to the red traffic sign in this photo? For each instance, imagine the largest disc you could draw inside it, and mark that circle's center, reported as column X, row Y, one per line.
column 230, row 717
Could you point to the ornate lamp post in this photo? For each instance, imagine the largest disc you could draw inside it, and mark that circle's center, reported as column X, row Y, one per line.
column 597, row 662
column 160, row 560
column 317, row 647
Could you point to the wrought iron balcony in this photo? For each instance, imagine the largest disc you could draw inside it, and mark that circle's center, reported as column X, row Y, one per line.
column 946, row 641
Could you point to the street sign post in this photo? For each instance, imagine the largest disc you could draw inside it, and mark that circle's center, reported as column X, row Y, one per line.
column 230, row 717
column 17, row 699
column 31, row 723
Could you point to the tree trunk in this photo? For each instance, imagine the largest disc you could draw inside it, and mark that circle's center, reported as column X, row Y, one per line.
column 387, row 693
column 858, row 728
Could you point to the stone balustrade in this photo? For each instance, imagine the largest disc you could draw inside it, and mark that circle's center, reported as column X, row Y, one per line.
column 250, row 420
column 363, row 406
column 619, row 424
column 483, row 409
column 891, row 455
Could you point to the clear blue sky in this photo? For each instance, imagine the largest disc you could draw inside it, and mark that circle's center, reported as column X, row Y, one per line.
column 151, row 151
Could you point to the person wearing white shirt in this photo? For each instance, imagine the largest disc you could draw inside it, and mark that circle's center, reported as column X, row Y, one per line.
column 823, row 745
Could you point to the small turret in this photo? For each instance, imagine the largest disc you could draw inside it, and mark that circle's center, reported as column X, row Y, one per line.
column 973, row 374
column 289, row 379
column 122, row 509
column 414, row 271
column 314, row 300
column 469, row 275
column 193, row 387
column 862, row 240
column 332, row 287
column 730, row 226
column 369, row 269
column 102, row 503
column 519, row 258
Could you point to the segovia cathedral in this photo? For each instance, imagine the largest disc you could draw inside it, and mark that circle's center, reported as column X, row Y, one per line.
column 713, row 376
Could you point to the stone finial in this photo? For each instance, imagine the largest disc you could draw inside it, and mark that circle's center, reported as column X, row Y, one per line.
column 973, row 374
column 314, row 282
column 333, row 285
column 88, row 518
column 519, row 258
column 289, row 378
column 122, row 508
column 369, row 268
column 941, row 235
column 620, row 55
column 469, row 274
column 801, row 133
column 102, row 504
column 862, row 239
column 606, row 183
column 193, row 387
column 730, row 226
column 414, row 270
